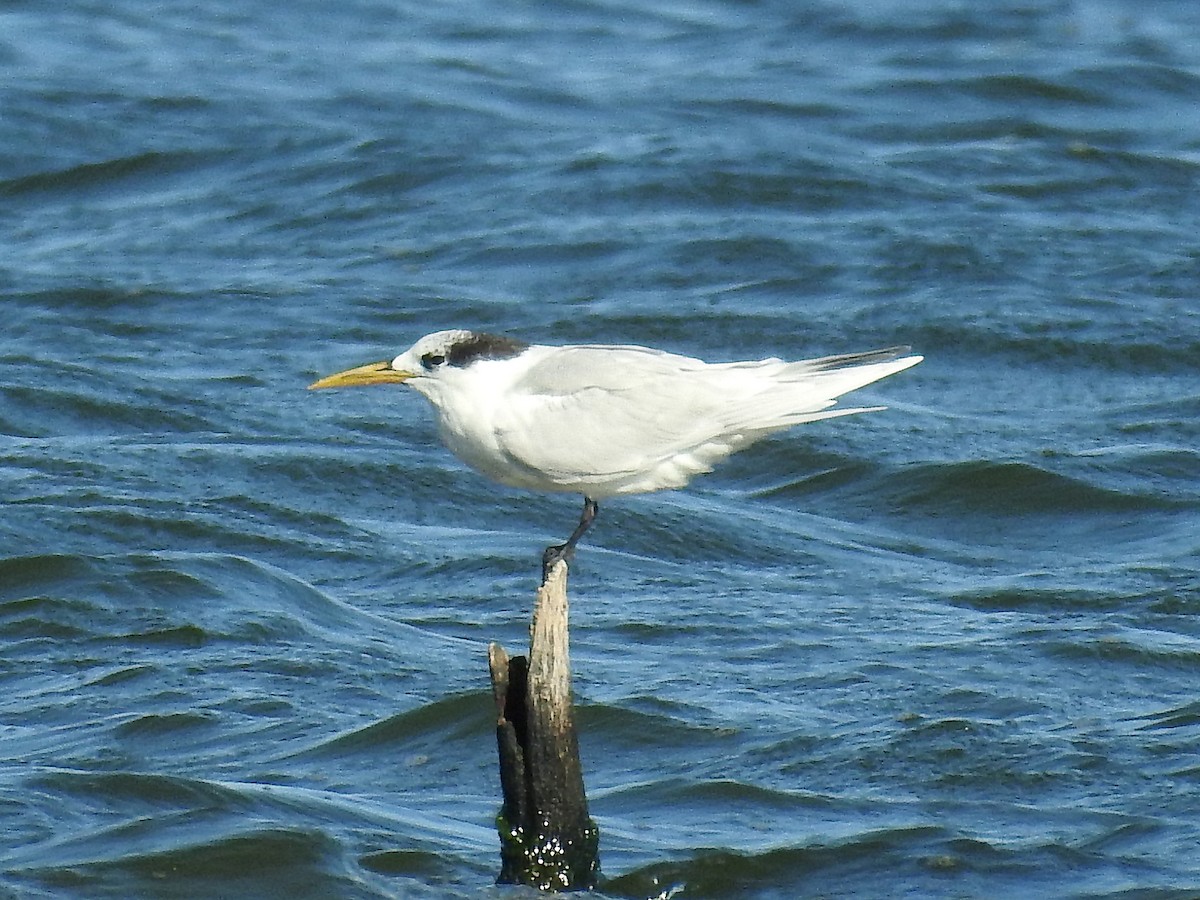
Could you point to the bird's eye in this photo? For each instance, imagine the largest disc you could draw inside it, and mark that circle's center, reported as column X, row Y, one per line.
column 431, row 361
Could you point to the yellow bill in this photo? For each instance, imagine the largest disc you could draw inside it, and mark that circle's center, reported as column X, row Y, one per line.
column 371, row 373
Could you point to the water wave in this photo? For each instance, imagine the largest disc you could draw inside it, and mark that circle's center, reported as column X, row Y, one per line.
column 947, row 649
column 130, row 173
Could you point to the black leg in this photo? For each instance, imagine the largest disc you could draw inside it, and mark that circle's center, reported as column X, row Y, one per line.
column 565, row 551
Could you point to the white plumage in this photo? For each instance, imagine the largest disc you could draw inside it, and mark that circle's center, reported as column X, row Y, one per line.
column 603, row 420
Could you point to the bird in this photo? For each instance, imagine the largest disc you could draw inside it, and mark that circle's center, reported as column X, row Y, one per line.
column 608, row 420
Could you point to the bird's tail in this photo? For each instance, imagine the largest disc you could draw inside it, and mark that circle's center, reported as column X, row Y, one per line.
column 868, row 357
column 825, row 379
column 837, row 375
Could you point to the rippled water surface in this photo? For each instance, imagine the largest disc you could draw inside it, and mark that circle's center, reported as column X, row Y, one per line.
column 947, row 650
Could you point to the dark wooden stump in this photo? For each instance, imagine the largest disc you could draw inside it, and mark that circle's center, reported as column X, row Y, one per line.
column 547, row 839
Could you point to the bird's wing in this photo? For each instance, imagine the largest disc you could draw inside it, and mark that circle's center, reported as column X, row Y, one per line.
column 609, row 414
column 629, row 419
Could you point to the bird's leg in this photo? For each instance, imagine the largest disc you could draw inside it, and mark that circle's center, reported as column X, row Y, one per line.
column 564, row 551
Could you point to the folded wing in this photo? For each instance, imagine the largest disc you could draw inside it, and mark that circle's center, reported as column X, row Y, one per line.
column 616, row 420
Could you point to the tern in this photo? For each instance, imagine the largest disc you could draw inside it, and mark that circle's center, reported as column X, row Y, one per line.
column 606, row 420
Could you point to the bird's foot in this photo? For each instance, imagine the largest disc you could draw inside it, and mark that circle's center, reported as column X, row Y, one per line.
column 553, row 556
column 564, row 552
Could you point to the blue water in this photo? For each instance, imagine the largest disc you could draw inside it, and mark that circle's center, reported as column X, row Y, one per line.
column 947, row 650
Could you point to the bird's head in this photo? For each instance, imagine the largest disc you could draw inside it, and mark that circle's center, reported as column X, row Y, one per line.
column 427, row 358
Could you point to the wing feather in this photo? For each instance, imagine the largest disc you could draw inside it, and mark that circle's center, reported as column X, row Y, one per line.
column 609, row 420
column 606, row 413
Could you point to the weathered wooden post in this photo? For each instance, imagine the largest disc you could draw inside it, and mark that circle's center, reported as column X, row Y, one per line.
column 547, row 839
